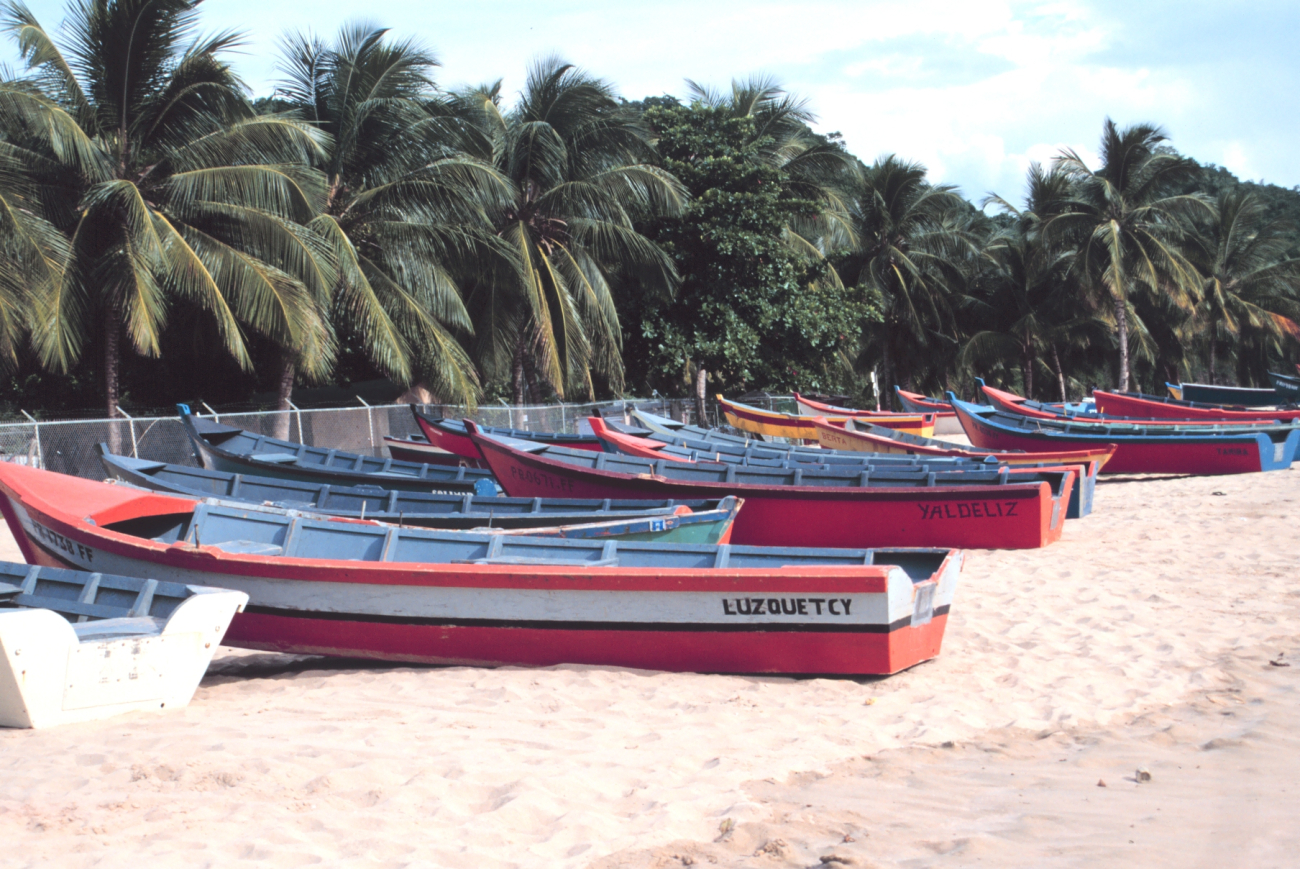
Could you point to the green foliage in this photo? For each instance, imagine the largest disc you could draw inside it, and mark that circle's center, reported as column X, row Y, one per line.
column 750, row 310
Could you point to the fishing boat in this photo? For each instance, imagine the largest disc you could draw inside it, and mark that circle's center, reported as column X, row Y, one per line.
column 226, row 448
column 669, row 522
column 1286, row 386
column 1083, row 414
column 1227, row 396
column 420, row 509
column 342, row 587
column 80, row 646
column 685, row 450
column 1141, row 449
column 786, row 425
column 861, row 436
column 945, row 421
column 450, row 435
column 417, row 448
column 844, row 506
column 1136, row 404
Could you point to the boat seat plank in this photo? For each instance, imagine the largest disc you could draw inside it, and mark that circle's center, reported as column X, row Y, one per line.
column 248, row 547
column 274, row 458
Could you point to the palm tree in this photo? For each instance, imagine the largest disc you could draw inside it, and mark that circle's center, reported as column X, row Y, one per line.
column 581, row 165
column 167, row 187
column 32, row 251
column 912, row 240
column 1250, row 285
column 1026, row 298
column 406, row 211
column 1129, row 230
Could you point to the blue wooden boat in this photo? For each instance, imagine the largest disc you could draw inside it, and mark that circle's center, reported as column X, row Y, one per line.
column 655, row 445
column 226, row 448
column 362, row 589
column 705, row 522
column 1286, row 386
column 1142, row 449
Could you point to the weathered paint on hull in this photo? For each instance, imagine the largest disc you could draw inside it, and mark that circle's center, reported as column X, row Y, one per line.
column 966, row 517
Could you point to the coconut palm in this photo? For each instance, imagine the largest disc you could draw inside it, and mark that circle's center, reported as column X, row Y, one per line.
column 1025, row 298
column 1130, row 232
column 581, row 165
column 406, row 211
column 167, row 187
column 912, row 240
column 32, row 251
column 1250, row 286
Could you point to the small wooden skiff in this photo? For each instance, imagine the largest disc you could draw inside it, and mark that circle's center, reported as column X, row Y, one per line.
column 676, row 524
column 1135, row 404
column 841, row 506
column 420, row 509
column 786, row 425
column 1142, row 449
column 226, row 448
column 1225, row 396
column 945, row 421
column 342, row 587
column 77, row 646
column 450, row 435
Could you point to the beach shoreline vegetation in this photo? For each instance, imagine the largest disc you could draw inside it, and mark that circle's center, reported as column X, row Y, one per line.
column 168, row 235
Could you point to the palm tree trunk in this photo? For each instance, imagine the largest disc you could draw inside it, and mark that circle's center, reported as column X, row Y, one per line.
column 517, row 370
column 885, row 395
column 1060, row 375
column 283, row 394
column 701, row 378
column 1121, row 324
column 1027, row 370
column 112, row 362
column 1212, row 360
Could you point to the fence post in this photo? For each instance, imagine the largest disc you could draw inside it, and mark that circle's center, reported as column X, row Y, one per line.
column 298, row 414
column 370, row 417
column 131, row 422
column 36, row 426
column 215, row 418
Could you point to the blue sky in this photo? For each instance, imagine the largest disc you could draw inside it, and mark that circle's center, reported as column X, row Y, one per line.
column 974, row 90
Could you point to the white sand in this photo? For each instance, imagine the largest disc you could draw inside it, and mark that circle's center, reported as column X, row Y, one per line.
column 1140, row 638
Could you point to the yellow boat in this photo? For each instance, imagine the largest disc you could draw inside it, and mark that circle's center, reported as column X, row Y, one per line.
column 787, row 425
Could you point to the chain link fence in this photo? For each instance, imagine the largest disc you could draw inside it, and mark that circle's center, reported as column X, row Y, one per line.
column 69, row 446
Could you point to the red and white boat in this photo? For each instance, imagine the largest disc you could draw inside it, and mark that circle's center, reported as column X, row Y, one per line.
column 365, row 589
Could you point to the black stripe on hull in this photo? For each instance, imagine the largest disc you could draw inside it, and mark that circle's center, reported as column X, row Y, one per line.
column 694, row 627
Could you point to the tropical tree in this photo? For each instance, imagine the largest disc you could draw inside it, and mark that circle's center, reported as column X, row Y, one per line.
column 406, row 213
column 1250, row 285
column 582, row 167
column 912, row 241
column 1026, row 300
column 1131, row 233
column 167, row 187
column 32, row 252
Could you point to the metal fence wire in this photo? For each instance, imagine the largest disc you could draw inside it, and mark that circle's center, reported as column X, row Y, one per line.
column 69, row 446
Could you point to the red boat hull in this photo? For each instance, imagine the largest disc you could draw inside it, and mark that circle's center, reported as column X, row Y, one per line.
column 1128, row 405
column 1200, row 457
column 52, row 535
column 461, row 445
column 966, row 517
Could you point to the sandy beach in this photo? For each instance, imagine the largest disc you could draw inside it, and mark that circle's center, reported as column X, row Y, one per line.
column 1154, row 636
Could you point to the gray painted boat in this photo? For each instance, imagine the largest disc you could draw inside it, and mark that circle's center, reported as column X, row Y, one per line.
column 226, row 448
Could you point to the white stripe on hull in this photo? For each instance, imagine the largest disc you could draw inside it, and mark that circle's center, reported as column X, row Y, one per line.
column 901, row 601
